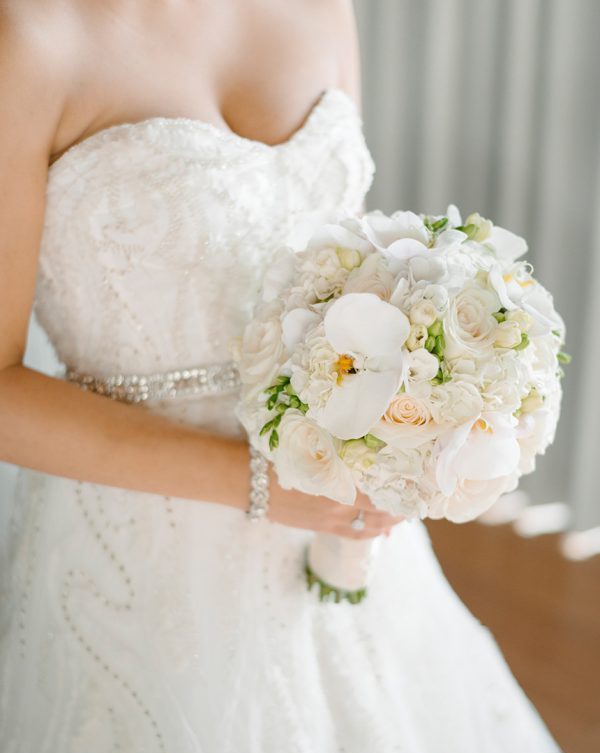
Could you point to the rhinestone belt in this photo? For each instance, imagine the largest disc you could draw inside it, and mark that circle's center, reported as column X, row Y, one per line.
column 135, row 388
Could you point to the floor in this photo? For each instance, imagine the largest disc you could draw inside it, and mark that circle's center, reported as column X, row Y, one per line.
column 545, row 613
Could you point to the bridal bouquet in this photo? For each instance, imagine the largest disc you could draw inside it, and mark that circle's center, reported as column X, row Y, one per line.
column 412, row 357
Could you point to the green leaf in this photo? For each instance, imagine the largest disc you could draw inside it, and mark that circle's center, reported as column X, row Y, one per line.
column 436, row 328
column 281, row 407
column 430, row 343
column 265, row 428
column 372, row 442
column 271, row 401
column 295, row 401
column 470, row 230
column 499, row 317
column 282, row 380
column 274, row 440
column 440, row 344
column 563, row 357
column 439, row 225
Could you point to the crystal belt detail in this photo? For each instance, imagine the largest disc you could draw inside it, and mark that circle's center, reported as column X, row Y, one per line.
column 211, row 379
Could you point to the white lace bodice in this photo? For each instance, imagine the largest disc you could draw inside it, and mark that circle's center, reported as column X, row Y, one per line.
column 157, row 233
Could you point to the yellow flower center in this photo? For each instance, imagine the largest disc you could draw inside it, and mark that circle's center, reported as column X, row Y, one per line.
column 343, row 365
column 483, row 425
column 522, row 283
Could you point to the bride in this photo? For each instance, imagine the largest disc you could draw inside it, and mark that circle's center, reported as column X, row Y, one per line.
column 155, row 155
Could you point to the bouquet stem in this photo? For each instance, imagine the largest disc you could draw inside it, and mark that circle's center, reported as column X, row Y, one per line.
column 340, row 567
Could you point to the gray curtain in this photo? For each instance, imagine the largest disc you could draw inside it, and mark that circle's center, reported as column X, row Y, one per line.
column 494, row 105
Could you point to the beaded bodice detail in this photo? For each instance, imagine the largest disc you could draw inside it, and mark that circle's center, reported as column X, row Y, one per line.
column 157, row 233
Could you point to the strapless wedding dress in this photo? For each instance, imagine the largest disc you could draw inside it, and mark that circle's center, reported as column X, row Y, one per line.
column 136, row 622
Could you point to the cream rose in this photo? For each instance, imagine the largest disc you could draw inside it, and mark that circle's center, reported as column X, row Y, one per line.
column 406, row 423
column 469, row 325
column 406, row 409
column 307, row 459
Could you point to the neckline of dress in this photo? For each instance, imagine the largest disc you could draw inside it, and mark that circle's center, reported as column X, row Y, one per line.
column 203, row 125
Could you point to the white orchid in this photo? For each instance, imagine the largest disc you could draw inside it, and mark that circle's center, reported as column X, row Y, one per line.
column 367, row 334
column 481, row 449
column 517, row 289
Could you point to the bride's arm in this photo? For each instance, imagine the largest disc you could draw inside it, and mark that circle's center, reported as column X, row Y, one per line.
column 53, row 426
column 46, row 423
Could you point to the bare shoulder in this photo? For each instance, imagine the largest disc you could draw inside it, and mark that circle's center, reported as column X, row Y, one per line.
column 343, row 32
column 36, row 63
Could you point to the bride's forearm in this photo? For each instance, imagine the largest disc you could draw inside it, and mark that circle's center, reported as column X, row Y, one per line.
column 53, row 426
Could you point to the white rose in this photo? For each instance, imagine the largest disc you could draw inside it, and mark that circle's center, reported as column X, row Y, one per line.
column 508, row 335
column 417, row 336
column 373, row 276
column 307, row 459
column 423, row 312
column 260, row 351
column 455, row 402
column 469, row 325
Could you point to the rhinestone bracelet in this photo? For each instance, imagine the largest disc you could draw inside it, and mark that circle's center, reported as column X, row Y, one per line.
column 259, row 486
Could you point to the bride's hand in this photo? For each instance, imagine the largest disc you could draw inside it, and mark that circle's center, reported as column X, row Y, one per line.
column 299, row 510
